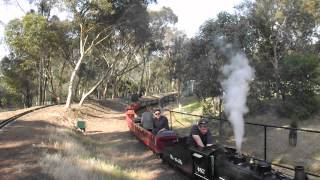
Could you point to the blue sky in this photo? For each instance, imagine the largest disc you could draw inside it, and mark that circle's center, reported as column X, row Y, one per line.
column 191, row 13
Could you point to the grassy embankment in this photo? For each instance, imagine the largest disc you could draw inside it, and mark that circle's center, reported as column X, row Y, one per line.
column 78, row 157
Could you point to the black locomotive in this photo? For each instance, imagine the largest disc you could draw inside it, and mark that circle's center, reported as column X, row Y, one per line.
column 221, row 163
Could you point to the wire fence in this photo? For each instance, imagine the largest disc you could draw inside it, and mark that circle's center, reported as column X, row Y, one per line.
column 283, row 146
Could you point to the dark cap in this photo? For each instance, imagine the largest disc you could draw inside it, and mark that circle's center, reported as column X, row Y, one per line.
column 203, row 121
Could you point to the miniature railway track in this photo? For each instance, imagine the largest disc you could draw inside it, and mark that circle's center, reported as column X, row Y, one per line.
column 11, row 119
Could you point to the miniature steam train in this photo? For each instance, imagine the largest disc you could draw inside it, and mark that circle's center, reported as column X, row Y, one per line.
column 210, row 163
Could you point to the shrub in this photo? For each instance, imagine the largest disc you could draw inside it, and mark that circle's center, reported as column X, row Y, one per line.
column 299, row 74
column 298, row 110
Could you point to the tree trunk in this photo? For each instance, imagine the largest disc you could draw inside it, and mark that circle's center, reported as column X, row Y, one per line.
column 84, row 96
column 221, row 121
column 179, row 90
column 114, row 88
column 40, row 83
column 83, row 51
column 148, row 81
column 76, row 94
column 72, row 77
column 105, row 90
column 28, row 97
column 142, row 76
column 60, row 82
column 44, row 99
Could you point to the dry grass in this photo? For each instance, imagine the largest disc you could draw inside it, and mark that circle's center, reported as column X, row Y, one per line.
column 75, row 160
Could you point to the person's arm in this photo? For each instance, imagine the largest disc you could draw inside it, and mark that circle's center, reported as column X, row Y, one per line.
column 166, row 124
column 209, row 139
column 198, row 140
column 154, row 123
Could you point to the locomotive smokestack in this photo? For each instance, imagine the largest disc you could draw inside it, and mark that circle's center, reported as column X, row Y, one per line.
column 299, row 173
column 238, row 74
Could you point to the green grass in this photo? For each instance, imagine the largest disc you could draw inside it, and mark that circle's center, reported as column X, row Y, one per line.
column 182, row 122
column 194, row 106
column 189, row 105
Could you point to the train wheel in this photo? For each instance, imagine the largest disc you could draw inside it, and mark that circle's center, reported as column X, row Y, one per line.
column 162, row 160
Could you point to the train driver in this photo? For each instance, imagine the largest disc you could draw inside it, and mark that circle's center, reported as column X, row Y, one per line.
column 160, row 123
column 200, row 136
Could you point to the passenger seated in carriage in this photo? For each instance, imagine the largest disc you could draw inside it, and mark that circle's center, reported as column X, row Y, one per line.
column 131, row 112
column 147, row 119
column 200, row 135
column 160, row 123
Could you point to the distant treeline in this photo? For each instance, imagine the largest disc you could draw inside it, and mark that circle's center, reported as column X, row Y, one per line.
column 115, row 48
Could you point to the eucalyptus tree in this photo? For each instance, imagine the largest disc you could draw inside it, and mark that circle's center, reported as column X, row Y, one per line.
column 27, row 39
column 158, row 47
column 281, row 27
column 172, row 55
column 43, row 43
column 17, row 74
column 205, row 54
column 100, row 22
column 300, row 81
column 62, row 49
column 116, row 57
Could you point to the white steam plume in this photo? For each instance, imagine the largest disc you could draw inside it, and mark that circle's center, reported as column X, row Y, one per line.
column 236, row 87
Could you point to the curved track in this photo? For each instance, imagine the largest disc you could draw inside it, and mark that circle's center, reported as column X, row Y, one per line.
column 11, row 119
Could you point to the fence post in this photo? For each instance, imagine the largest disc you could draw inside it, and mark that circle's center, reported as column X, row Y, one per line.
column 170, row 120
column 265, row 143
column 220, row 122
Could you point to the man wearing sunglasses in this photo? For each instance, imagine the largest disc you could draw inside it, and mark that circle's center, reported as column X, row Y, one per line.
column 200, row 135
column 160, row 123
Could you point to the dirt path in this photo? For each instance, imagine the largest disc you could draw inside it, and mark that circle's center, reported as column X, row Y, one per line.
column 24, row 143
column 20, row 144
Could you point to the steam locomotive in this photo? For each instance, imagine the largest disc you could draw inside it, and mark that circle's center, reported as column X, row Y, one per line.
column 210, row 163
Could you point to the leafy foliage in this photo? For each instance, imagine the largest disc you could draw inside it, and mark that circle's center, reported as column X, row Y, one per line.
column 18, row 77
column 299, row 73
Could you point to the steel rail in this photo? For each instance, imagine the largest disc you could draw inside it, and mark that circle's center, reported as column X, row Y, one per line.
column 11, row 119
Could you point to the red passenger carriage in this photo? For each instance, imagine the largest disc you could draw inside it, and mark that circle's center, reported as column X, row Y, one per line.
column 155, row 142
